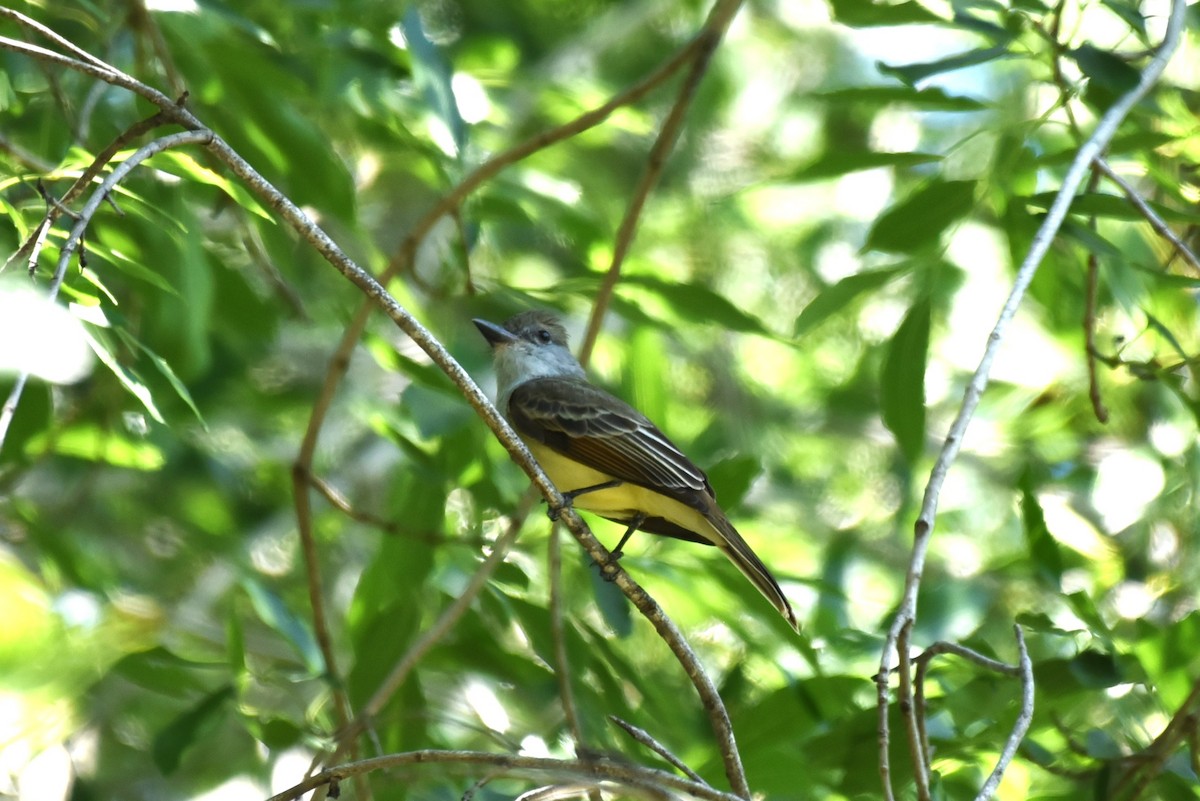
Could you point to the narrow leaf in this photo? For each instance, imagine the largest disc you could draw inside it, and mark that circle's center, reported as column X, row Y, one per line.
column 271, row 609
column 918, row 220
column 186, row 729
column 902, row 387
column 834, row 298
column 930, row 98
column 1047, row 559
column 837, row 162
column 860, row 14
column 912, row 73
column 128, row 378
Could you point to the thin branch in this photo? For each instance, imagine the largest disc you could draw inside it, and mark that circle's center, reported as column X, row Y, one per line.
column 1156, row 222
column 923, row 528
column 1150, row 761
column 941, row 647
column 31, row 160
column 718, row 21
column 558, row 637
column 343, row 713
column 617, row 773
column 438, row 629
column 340, row 360
column 329, row 250
column 911, row 713
column 643, row 737
column 1089, row 336
column 1022, row 723
column 34, row 243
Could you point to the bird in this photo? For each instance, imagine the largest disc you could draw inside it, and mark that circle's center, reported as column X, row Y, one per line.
column 605, row 456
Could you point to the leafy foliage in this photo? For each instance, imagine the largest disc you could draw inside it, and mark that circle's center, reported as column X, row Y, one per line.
column 811, row 285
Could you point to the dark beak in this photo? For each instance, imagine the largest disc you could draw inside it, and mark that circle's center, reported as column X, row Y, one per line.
column 494, row 334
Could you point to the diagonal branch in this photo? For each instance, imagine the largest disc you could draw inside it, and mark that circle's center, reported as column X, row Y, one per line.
column 923, row 528
column 1156, row 222
column 705, row 45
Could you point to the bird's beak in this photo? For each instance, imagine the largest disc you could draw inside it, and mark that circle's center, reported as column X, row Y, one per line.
column 494, row 334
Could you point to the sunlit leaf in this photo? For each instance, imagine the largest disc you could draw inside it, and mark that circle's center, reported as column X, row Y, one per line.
column 130, row 380
column 916, row 222
column 93, row 444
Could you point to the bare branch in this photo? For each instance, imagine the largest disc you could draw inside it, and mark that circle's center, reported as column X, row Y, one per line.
column 558, row 638
column 1156, row 222
column 1022, row 724
column 618, row 775
column 923, row 529
column 719, row 17
column 432, row 635
column 643, row 737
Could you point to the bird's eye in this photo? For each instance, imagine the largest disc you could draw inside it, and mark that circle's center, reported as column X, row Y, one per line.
column 544, row 336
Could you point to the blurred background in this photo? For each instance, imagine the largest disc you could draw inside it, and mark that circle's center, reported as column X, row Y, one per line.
column 810, row 286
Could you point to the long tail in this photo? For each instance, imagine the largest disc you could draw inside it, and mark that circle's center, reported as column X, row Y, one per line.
column 740, row 553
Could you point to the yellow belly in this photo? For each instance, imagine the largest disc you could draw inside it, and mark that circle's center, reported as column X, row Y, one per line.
column 621, row 502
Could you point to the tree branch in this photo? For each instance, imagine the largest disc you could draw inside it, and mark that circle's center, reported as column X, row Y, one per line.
column 704, row 45
column 923, row 528
column 616, row 773
column 1156, row 222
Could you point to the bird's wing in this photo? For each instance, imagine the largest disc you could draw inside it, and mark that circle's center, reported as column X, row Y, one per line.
column 597, row 429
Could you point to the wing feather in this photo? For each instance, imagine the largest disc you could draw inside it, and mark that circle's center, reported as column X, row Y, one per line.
column 603, row 432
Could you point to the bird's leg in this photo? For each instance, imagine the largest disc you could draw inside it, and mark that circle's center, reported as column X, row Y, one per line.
column 569, row 497
column 634, row 525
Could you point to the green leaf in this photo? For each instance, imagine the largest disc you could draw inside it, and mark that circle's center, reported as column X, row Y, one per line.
column 902, row 384
column 1116, row 207
column 1105, row 68
column 864, row 14
column 930, row 98
column 178, row 162
column 833, row 299
column 840, row 162
column 1043, row 549
column 1096, row 670
column 271, row 609
column 129, row 379
column 89, row 442
column 165, row 369
column 916, row 222
column 912, row 73
column 699, row 304
column 731, row 478
column 172, row 741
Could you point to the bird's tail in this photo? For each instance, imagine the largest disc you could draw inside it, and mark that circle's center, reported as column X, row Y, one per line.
column 739, row 552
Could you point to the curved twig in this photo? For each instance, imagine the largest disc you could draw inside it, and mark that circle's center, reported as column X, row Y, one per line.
column 616, row 773
column 1020, row 727
column 923, row 528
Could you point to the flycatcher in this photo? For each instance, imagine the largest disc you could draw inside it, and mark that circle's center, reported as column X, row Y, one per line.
column 604, row 455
